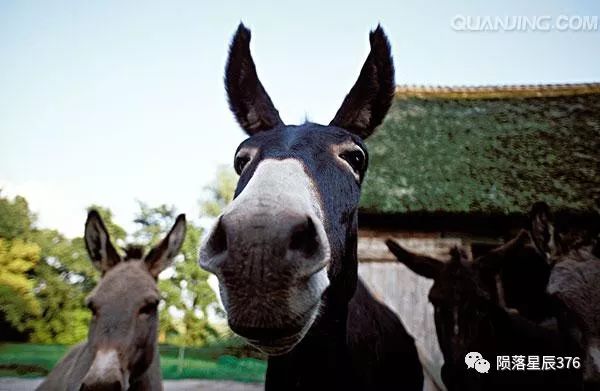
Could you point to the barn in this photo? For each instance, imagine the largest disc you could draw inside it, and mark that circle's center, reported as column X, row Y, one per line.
column 462, row 166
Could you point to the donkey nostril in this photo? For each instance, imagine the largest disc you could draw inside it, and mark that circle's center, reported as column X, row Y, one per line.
column 217, row 243
column 305, row 238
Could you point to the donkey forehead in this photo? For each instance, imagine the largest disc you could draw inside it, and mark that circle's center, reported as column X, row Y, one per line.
column 129, row 280
column 299, row 140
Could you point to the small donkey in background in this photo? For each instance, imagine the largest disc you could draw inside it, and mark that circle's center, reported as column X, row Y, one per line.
column 121, row 352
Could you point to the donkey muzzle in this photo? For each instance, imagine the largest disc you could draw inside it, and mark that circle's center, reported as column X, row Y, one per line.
column 270, row 253
column 105, row 373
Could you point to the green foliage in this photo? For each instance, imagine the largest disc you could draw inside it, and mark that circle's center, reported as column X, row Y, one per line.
column 18, row 256
column 15, row 218
column 64, row 319
column 485, row 155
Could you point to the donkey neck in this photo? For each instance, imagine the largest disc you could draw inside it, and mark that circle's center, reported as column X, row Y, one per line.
column 333, row 315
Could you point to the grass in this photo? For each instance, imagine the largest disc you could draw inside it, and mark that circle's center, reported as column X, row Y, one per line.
column 33, row 360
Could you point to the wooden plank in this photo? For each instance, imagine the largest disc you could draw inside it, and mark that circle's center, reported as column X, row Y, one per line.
column 406, row 294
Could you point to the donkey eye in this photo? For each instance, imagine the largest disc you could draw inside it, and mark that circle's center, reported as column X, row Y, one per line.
column 149, row 308
column 240, row 162
column 355, row 158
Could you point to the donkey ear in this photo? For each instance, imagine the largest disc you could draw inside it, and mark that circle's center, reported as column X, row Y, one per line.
column 420, row 264
column 161, row 256
column 542, row 228
column 369, row 100
column 248, row 99
column 97, row 241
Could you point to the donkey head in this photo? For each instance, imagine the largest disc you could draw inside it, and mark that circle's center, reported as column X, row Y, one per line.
column 534, row 245
column 123, row 330
column 518, row 271
column 460, row 300
column 289, row 236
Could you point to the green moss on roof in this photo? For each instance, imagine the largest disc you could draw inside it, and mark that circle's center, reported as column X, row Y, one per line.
column 489, row 155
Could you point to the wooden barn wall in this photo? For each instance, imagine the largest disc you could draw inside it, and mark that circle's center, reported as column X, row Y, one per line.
column 404, row 291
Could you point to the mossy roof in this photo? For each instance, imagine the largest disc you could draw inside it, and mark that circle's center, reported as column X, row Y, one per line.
column 490, row 150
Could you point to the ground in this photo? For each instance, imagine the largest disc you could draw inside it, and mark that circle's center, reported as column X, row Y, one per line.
column 18, row 384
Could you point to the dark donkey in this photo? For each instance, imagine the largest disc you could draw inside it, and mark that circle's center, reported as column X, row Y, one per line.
column 121, row 352
column 469, row 319
column 285, row 250
column 554, row 272
column 521, row 267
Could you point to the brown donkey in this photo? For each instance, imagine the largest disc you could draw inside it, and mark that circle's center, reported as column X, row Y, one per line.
column 121, row 351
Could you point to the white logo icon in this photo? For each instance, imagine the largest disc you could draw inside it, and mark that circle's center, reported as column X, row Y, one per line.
column 482, row 365
column 475, row 360
column 471, row 358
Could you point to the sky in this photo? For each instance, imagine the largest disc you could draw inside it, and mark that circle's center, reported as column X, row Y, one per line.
column 117, row 101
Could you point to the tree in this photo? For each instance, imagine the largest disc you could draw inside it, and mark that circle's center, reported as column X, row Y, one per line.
column 220, row 192
column 18, row 256
column 17, row 301
column 16, row 219
column 64, row 276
